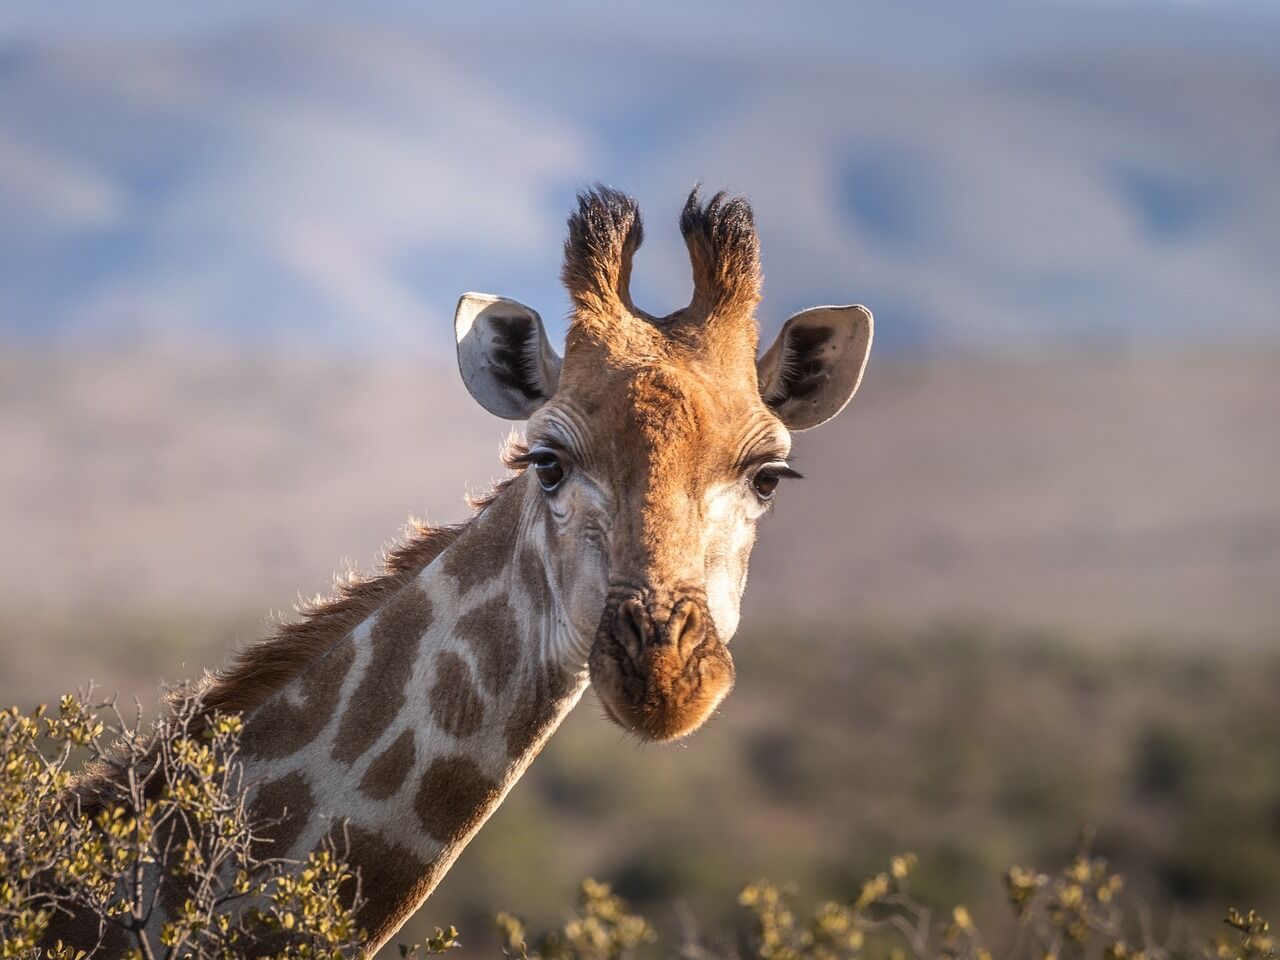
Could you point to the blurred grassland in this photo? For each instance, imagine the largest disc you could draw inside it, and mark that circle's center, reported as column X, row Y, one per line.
column 971, row 745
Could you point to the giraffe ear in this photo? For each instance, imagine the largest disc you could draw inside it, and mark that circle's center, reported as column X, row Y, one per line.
column 503, row 354
column 814, row 367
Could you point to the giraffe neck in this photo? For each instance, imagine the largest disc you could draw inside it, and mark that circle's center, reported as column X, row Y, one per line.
column 402, row 739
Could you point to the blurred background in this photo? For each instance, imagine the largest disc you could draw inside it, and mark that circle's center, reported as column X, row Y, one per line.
column 1033, row 579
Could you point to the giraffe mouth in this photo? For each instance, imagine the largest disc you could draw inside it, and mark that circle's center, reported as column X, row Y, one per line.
column 659, row 680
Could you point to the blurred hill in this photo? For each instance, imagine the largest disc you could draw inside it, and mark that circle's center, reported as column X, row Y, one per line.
column 1000, row 176
column 1009, row 598
column 1114, row 494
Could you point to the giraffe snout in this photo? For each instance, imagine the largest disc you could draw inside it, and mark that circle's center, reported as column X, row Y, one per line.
column 659, row 676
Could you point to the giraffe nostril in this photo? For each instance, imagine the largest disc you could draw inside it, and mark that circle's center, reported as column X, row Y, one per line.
column 632, row 627
column 686, row 628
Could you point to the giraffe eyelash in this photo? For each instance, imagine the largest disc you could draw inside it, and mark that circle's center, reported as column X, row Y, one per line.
column 782, row 470
column 537, row 454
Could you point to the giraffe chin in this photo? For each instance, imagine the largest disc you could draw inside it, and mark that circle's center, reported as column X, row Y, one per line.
column 660, row 695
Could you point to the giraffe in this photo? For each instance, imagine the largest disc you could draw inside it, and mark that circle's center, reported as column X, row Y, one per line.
column 406, row 707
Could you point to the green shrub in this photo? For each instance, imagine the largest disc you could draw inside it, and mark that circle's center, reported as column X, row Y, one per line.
column 1075, row 914
column 168, row 800
column 164, row 799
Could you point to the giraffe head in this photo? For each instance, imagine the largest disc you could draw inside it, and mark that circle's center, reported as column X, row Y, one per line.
column 656, row 444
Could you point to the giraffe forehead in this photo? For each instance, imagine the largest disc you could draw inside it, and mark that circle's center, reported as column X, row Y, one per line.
column 669, row 393
column 685, row 427
column 639, row 412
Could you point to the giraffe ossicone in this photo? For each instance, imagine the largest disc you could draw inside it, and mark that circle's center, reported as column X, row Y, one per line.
column 405, row 708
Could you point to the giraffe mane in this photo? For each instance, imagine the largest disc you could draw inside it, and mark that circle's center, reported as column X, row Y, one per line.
column 265, row 667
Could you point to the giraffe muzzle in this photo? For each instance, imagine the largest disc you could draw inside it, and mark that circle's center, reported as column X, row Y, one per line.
column 659, row 676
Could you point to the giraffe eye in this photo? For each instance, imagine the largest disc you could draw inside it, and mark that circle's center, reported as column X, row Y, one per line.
column 550, row 471
column 765, row 480
column 765, row 483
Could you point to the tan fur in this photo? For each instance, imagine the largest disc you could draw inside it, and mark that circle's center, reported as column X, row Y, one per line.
column 665, row 408
column 685, row 421
column 604, row 234
column 725, row 255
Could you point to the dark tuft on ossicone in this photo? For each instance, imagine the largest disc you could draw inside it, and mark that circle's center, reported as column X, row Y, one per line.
column 724, row 251
column 604, row 233
column 725, row 221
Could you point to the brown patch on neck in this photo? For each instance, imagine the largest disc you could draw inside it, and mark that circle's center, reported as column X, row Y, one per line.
column 455, row 703
column 394, row 642
column 484, row 549
column 393, row 881
column 386, row 774
column 491, row 631
column 282, row 728
column 533, row 576
column 539, row 699
column 279, row 811
column 454, row 798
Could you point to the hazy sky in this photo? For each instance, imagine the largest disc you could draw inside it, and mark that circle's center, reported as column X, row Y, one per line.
column 991, row 174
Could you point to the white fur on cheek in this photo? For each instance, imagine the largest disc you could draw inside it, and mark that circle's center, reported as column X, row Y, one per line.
column 731, row 533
